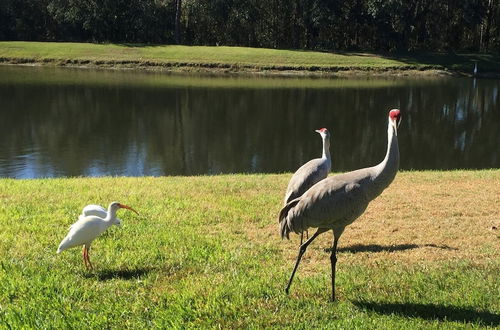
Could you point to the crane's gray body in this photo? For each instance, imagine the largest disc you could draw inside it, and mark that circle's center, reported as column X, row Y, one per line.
column 337, row 201
column 307, row 176
column 311, row 172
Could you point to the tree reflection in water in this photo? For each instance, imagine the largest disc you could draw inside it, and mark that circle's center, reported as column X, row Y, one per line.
column 58, row 122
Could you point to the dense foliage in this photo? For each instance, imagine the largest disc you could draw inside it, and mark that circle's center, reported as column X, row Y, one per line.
column 377, row 25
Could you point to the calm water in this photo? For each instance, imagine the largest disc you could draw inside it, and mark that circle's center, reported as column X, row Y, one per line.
column 68, row 122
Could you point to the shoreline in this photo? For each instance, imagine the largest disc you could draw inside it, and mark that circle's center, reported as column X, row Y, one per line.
column 223, row 69
column 227, row 60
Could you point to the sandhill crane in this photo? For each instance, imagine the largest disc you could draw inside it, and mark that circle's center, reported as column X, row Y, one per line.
column 86, row 229
column 310, row 173
column 338, row 200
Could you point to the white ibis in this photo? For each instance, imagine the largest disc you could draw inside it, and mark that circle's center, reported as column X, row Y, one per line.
column 98, row 211
column 87, row 228
column 335, row 202
column 310, row 173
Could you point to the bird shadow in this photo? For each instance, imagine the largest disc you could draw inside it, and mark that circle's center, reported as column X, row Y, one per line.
column 387, row 248
column 432, row 312
column 124, row 274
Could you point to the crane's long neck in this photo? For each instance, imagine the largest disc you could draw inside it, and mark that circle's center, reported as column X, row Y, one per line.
column 384, row 173
column 326, row 148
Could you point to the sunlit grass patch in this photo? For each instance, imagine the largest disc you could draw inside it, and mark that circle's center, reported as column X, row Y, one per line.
column 236, row 59
column 205, row 252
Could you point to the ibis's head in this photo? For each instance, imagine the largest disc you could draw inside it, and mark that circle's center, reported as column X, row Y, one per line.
column 113, row 207
column 323, row 132
column 395, row 118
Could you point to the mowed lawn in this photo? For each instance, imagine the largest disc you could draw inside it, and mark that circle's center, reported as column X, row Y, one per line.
column 205, row 252
column 236, row 58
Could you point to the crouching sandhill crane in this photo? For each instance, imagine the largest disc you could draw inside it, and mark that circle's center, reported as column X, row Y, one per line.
column 87, row 228
column 338, row 200
column 310, row 173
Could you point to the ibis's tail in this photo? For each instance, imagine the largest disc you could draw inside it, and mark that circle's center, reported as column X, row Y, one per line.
column 65, row 244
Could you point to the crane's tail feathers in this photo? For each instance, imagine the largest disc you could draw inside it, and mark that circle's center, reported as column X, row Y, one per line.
column 284, row 224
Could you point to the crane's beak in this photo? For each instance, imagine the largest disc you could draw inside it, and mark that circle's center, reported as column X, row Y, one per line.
column 317, row 131
column 123, row 206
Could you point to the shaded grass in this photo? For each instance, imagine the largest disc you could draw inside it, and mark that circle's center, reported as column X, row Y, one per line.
column 236, row 58
column 205, row 252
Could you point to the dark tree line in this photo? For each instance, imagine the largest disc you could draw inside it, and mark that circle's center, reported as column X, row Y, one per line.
column 376, row 25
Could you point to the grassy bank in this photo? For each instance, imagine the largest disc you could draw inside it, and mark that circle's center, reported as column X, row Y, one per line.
column 205, row 252
column 239, row 59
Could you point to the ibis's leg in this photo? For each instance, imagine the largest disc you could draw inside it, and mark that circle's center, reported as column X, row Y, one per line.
column 302, row 249
column 333, row 259
column 89, row 266
column 88, row 258
column 84, row 254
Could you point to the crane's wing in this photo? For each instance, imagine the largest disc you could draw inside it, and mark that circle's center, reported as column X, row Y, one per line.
column 305, row 177
column 331, row 203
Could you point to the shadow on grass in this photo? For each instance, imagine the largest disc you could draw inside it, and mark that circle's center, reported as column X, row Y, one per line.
column 432, row 312
column 124, row 274
column 387, row 248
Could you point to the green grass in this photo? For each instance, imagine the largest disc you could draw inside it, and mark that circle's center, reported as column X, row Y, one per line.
column 205, row 252
column 235, row 58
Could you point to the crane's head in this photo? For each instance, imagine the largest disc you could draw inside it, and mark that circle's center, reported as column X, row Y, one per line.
column 323, row 132
column 395, row 118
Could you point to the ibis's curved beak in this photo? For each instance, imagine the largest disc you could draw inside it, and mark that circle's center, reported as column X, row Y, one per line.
column 123, row 206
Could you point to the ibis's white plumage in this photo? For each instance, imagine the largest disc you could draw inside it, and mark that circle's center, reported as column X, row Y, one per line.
column 88, row 227
column 83, row 232
column 98, row 211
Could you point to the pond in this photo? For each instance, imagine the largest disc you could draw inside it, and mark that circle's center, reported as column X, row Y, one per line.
column 75, row 122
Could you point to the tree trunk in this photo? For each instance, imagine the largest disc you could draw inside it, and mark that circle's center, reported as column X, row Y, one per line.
column 178, row 21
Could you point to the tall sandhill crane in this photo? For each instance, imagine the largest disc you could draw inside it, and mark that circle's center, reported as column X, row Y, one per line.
column 86, row 229
column 310, row 173
column 338, row 200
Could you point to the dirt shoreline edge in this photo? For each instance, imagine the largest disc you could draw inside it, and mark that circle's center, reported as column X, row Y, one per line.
column 242, row 69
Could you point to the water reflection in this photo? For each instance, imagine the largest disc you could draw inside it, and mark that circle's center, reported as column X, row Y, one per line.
column 59, row 122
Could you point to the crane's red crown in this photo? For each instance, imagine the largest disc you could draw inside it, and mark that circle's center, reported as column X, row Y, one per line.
column 395, row 114
column 323, row 129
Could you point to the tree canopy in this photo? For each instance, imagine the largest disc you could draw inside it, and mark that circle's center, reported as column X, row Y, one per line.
column 371, row 25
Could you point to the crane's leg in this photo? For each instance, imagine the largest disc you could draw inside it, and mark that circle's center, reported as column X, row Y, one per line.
column 333, row 259
column 302, row 249
column 302, row 236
